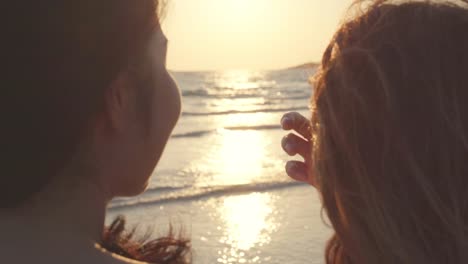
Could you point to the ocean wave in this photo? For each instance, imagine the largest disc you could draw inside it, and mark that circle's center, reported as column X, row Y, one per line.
column 196, row 134
column 301, row 97
column 204, row 193
column 167, row 188
column 261, row 127
column 269, row 110
column 231, row 93
column 198, row 92
column 249, row 86
column 206, row 94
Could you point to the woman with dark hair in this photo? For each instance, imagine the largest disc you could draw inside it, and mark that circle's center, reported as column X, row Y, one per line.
column 86, row 106
column 388, row 145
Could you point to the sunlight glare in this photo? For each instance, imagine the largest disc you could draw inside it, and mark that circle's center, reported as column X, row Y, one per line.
column 249, row 34
column 241, row 80
column 239, row 152
column 240, row 156
column 244, row 12
column 249, row 222
column 236, row 158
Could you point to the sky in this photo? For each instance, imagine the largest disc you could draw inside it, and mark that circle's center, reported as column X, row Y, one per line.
column 249, row 34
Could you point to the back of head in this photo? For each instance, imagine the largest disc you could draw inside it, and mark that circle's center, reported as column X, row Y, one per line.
column 57, row 59
column 391, row 134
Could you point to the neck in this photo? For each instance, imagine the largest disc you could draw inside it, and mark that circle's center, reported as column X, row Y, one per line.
column 67, row 211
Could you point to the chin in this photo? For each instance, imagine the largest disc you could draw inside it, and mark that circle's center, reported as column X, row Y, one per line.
column 134, row 190
column 141, row 189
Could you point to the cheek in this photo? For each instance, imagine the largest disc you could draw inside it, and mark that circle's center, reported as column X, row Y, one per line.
column 174, row 99
column 145, row 144
column 166, row 108
column 166, row 104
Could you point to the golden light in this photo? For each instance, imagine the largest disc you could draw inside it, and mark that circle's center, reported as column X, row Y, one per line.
column 249, row 34
column 238, row 157
column 243, row 12
column 239, row 6
column 249, row 221
column 235, row 156
column 239, row 81
column 241, row 152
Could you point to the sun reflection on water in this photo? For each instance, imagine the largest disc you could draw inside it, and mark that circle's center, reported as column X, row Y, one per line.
column 239, row 154
column 240, row 80
column 236, row 156
column 249, row 222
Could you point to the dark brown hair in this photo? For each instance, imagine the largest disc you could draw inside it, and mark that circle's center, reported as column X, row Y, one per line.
column 391, row 134
column 169, row 249
column 57, row 59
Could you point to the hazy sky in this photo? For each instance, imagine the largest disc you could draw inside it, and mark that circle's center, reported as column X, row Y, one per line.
column 249, row 34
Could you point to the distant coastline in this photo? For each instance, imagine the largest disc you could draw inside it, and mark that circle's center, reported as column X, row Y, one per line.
column 309, row 65
column 304, row 66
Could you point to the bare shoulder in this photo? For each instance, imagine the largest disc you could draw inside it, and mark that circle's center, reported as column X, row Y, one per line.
column 106, row 257
column 116, row 259
column 77, row 257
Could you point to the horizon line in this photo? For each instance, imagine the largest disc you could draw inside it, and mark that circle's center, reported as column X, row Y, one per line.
column 298, row 66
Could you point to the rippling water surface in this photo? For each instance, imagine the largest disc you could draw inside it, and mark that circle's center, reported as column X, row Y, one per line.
column 222, row 174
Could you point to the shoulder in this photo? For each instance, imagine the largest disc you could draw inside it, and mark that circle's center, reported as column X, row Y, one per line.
column 116, row 259
column 106, row 257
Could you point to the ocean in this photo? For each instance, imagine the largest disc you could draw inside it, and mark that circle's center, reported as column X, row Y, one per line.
column 221, row 180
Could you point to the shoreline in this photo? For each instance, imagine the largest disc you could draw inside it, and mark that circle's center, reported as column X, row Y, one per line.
column 242, row 228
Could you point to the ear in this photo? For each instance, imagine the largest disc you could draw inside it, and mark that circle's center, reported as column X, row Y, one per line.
column 117, row 102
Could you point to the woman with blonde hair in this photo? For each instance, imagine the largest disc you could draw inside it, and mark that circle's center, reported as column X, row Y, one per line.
column 387, row 147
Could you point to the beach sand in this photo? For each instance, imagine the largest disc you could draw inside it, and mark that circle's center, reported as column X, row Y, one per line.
column 279, row 226
column 222, row 176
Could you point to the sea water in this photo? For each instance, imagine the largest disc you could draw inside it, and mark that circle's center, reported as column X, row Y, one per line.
column 221, row 179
